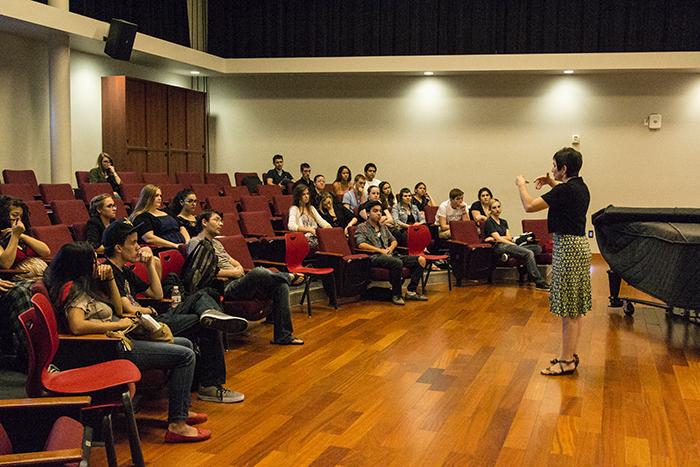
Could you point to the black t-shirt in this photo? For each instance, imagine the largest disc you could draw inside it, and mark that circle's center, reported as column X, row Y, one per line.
column 190, row 226
column 278, row 178
column 421, row 204
column 476, row 206
column 568, row 203
column 128, row 283
column 491, row 226
column 94, row 230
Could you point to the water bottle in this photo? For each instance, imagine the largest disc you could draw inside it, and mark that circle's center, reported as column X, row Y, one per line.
column 177, row 298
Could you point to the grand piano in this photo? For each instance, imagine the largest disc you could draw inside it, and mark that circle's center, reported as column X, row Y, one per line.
column 655, row 250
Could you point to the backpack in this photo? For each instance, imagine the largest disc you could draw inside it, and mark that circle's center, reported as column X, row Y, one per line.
column 200, row 268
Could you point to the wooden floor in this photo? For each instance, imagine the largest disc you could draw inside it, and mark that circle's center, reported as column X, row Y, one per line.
column 454, row 381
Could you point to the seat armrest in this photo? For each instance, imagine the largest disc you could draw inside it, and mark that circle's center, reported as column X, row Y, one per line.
column 59, row 457
column 42, row 402
column 87, row 337
column 268, row 263
column 329, row 253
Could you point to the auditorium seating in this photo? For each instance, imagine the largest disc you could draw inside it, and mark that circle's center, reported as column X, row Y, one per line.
column 55, row 236
column 296, row 250
column 82, row 177
column 221, row 180
column 257, row 224
column 131, row 193
column 269, row 191
column 240, row 176
column 169, row 190
column 419, row 239
column 282, row 204
column 90, row 190
column 222, row 204
column 352, row 272
column 156, row 178
column 470, row 258
column 230, row 225
column 376, row 273
column 56, row 191
column 25, row 177
column 189, row 178
column 69, row 212
column 23, row 191
column 544, row 238
column 205, row 190
column 37, row 213
column 130, row 177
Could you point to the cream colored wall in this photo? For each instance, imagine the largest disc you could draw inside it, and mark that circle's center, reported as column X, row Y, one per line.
column 24, row 103
column 469, row 131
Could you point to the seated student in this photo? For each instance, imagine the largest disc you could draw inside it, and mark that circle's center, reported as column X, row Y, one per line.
column 405, row 214
column 305, row 178
column 183, row 208
column 15, row 299
column 104, row 172
column 374, row 194
column 386, row 196
column 303, row 217
column 317, row 189
column 343, row 181
column 156, row 227
column 277, row 175
column 370, row 175
column 352, row 199
column 421, row 198
column 103, row 212
column 479, row 210
column 496, row 231
column 375, row 239
column 258, row 283
column 199, row 315
column 334, row 213
column 453, row 209
column 87, row 299
column 16, row 246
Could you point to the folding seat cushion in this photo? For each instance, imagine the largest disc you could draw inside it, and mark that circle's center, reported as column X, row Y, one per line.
column 55, row 191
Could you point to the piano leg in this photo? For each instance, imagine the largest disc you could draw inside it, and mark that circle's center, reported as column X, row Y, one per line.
column 614, row 281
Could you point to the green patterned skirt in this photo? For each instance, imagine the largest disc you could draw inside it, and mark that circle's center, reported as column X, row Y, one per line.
column 570, row 293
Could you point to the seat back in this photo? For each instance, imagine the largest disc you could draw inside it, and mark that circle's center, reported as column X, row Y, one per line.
column 255, row 203
column 156, row 178
column 223, row 204
column 90, row 190
column 23, row 191
column 221, row 180
column 465, row 231
column 55, row 191
column 169, row 190
column 230, row 225
column 55, row 236
column 269, row 191
column 205, row 190
column 296, row 249
column 351, row 238
column 69, row 212
column 239, row 176
column 121, row 209
column 256, row 223
column 282, row 204
column 41, row 332
column 171, row 261
column 237, row 248
column 541, row 231
column 237, row 192
column 25, row 177
column 131, row 192
column 37, row 213
column 430, row 214
column 130, row 177
column 5, row 442
column 82, row 177
column 189, row 178
column 333, row 241
column 419, row 239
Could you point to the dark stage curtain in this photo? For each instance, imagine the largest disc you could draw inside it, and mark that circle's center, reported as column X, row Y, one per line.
column 165, row 19
column 323, row 28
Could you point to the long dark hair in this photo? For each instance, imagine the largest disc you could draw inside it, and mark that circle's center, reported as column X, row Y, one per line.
column 339, row 176
column 178, row 202
column 298, row 193
column 387, row 200
column 74, row 262
column 8, row 203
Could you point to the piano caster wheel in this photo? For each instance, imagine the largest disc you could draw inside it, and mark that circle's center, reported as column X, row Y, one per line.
column 628, row 308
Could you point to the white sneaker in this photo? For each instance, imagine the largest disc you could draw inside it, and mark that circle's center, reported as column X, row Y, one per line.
column 216, row 319
column 219, row 394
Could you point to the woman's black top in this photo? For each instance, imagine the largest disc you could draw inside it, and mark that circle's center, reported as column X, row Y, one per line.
column 476, row 206
column 342, row 216
column 94, row 230
column 491, row 226
column 165, row 227
column 568, row 203
column 190, row 226
column 421, row 204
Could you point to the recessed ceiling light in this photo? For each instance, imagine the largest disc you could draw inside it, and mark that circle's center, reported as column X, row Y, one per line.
column 194, row 72
column 568, row 72
column 428, row 73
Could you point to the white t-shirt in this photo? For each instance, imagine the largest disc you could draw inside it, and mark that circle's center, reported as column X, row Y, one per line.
column 450, row 214
column 375, row 182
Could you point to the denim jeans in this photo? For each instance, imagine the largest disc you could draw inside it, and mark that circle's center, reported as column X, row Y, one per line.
column 395, row 264
column 179, row 359
column 184, row 320
column 525, row 253
column 262, row 283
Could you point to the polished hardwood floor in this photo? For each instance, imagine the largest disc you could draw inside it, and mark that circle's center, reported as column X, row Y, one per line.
column 454, row 381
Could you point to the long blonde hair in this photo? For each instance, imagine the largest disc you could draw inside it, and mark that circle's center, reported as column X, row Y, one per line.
column 99, row 162
column 146, row 199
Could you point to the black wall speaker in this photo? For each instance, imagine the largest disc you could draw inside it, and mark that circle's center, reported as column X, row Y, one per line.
column 120, row 39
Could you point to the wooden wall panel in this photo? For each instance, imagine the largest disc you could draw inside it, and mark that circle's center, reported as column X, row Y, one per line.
column 196, row 162
column 113, row 118
column 177, row 162
column 196, row 117
column 156, row 116
column 135, row 113
column 135, row 161
column 157, row 161
column 177, row 118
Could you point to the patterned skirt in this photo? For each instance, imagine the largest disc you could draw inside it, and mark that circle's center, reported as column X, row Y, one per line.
column 570, row 293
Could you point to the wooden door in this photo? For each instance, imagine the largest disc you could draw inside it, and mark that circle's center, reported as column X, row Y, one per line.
column 156, row 117
column 157, row 161
column 196, row 115
column 177, row 118
column 135, row 114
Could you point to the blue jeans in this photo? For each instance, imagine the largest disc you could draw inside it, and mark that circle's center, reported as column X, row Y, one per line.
column 395, row 265
column 525, row 253
column 179, row 359
column 262, row 283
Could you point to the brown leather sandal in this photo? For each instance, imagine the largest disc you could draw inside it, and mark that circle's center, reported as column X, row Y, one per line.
column 548, row 371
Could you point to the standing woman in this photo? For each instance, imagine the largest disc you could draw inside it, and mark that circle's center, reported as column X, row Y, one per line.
column 303, row 217
column 479, row 211
column 184, row 209
column 103, row 212
column 154, row 226
column 421, row 198
column 104, row 172
column 343, row 181
column 570, row 293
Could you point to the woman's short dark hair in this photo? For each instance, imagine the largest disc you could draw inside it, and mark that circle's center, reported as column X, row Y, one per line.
column 417, row 185
column 178, row 202
column 571, row 158
column 339, row 177
column 481, row 190
column 7, row 204
column 403, row 191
